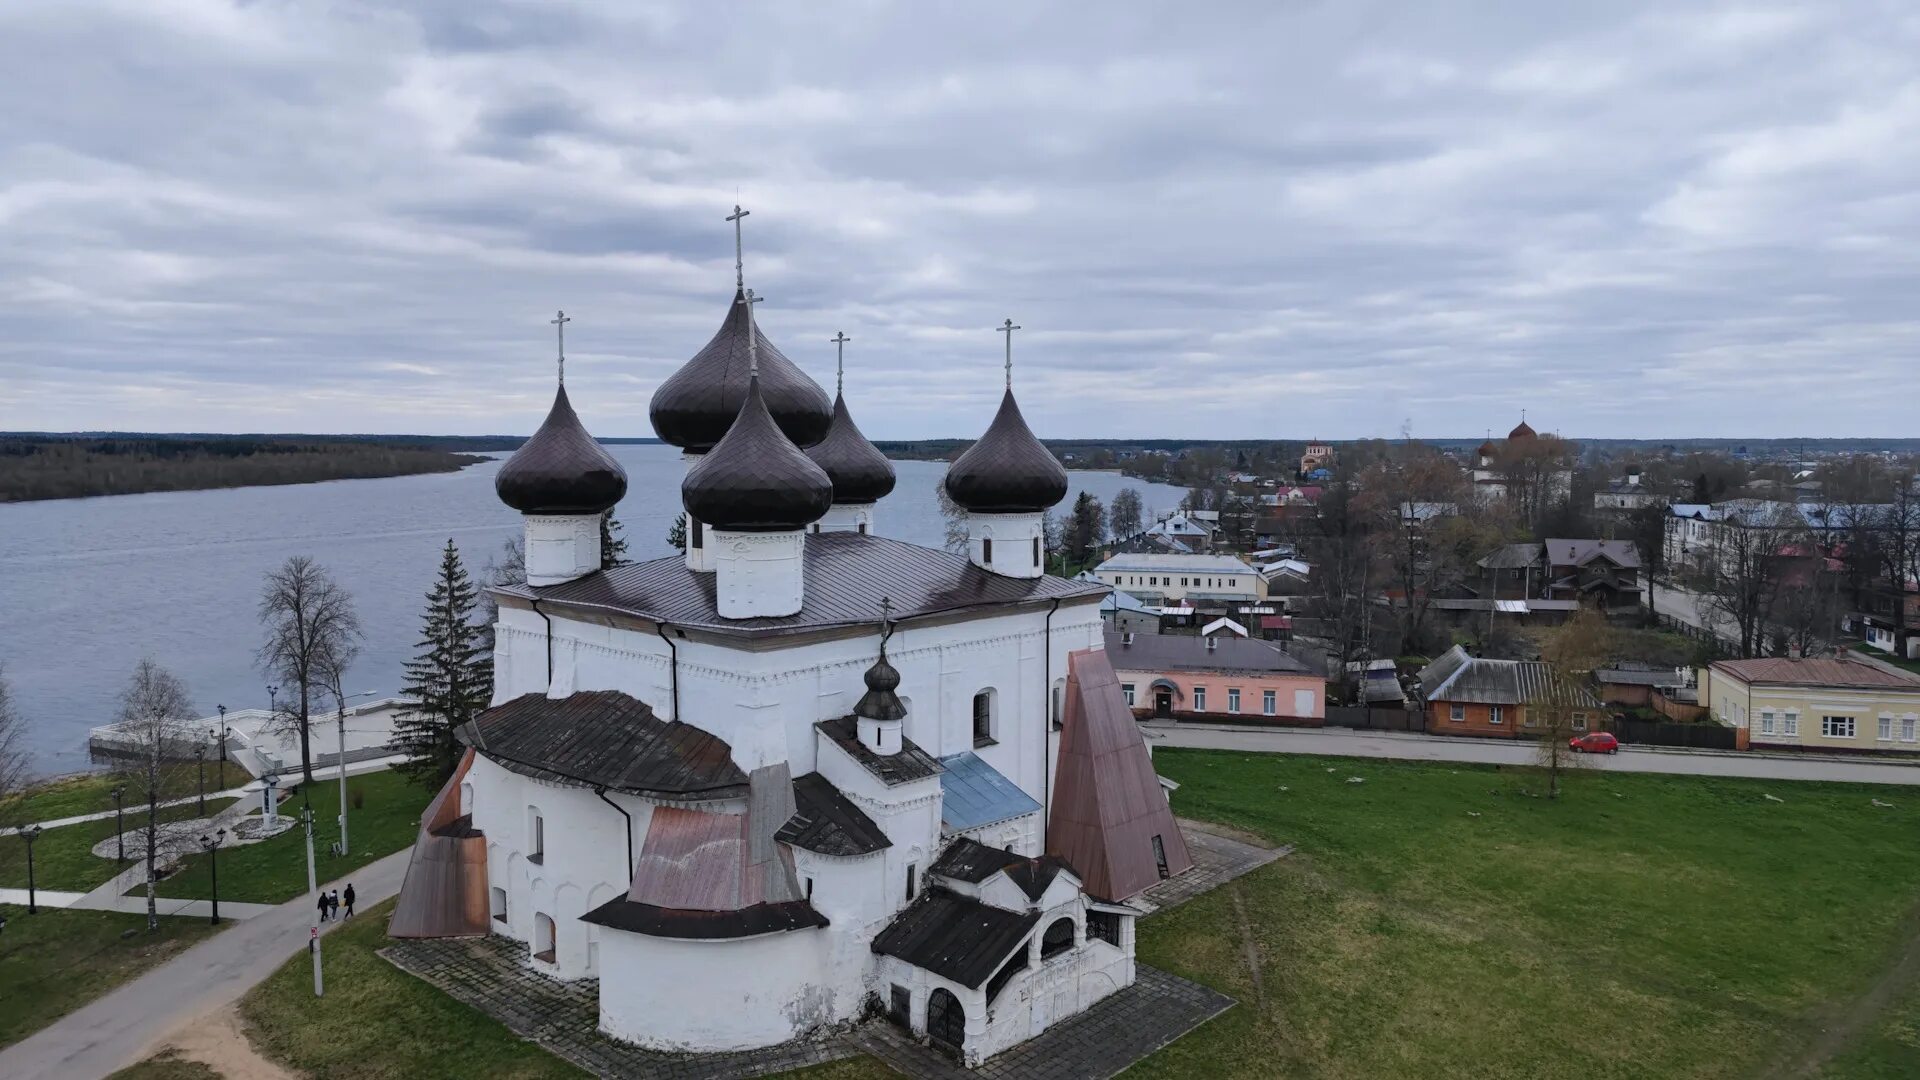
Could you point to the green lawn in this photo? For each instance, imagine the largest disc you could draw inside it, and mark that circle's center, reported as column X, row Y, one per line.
column 53, row 962
column 166, row 1065
column 1896, row 661
column 89, row 793
column 1435, row 920
column 275, row 870
column 63, row 858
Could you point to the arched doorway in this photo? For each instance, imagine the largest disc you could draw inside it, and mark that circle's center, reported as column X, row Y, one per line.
column 543, row 943
column 946, row 1022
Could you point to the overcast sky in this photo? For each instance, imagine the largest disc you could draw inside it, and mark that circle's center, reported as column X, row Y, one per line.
column 1281, row 220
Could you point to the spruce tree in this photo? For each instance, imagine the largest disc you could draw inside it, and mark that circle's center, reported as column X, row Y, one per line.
column 613, row 541
column 450, row 681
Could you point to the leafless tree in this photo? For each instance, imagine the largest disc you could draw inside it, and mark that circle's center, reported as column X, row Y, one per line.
column 1742, row 573
column 1532, row 471
column 955, row 538
column 153, row 718
column 509, row 567
column 1562, row 708
column 310, row 624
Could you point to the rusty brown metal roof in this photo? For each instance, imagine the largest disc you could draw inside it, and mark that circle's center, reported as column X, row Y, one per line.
column 603, row 738
column 445, row 890
column 847, row 573
column 1108, row 804
column 1816, row 671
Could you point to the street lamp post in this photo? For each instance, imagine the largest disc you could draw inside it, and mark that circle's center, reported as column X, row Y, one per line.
column 200, row 761
column 119, row 830
column 223, row 742
column 211, row 845
column 31, row 833
column 313, row 907
column 340, row 720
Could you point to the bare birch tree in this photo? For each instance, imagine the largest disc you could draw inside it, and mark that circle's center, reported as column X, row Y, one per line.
column 1562, row 708
column 310, row 623
column 154, row 719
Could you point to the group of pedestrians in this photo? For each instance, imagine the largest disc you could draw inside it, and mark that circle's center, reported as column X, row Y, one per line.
column 329, row 904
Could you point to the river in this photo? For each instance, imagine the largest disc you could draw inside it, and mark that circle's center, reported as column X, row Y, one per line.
column 89, row 586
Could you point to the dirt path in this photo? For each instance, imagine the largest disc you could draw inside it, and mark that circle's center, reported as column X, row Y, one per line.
column 1842, row 1026
column 1247, row 945
column 219, row 1041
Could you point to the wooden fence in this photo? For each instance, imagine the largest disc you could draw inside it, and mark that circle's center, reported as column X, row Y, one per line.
column 1367, row 718
column 1661, row 733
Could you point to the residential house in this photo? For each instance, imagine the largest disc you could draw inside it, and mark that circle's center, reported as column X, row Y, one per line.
column 1631, row 683
column 1220, row 677
column 1815, row 703
column 1214, row 580
column 1511, row 571
column 1626, row 493
column 1122, row 611
column 1195, row 530
column 1471, row 695
column 1603, row 574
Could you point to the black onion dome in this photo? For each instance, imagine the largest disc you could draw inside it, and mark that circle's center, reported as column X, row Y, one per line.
column 1007, row 471
column 755, row 479
column 561, row 470
column 880, row 702
column 696, row 406
column 859, row 471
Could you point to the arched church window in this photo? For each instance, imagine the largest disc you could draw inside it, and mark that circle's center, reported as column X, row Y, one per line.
column 983, row 718
column 536, row 836
column 1057, row 939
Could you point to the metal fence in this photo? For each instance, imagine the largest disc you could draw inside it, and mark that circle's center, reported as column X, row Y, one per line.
column 1367, row 718
column 1661, row 733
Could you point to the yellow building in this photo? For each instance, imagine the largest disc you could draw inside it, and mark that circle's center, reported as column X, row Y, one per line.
column 1818, row 703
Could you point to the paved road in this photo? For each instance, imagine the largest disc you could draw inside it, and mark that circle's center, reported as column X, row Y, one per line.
column 137, row 904
column 1376, row 744
column 121, row 1028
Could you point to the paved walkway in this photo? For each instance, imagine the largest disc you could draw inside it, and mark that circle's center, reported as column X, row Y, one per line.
column 123, row 1026
column 137, row 904
column 1384, row 744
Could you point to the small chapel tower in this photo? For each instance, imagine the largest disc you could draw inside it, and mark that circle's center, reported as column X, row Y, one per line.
column 861, row 474
column 1006, row 482
column 563, row 483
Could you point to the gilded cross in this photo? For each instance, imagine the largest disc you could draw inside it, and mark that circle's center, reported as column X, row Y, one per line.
column 839, row 340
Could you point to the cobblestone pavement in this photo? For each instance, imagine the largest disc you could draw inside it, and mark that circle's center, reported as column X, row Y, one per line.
column 492, row 975
column 1157, row 1009
column 1217, row 859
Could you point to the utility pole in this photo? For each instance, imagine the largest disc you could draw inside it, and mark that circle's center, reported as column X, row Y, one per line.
column 313, row 908
column 340, row 720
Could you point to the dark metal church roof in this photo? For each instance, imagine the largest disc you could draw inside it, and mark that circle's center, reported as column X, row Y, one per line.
column 825, row 822
column 755, row 479
column 954, row 937
column 561, row 470
column 695, row 407
column 1007, row 471
column 860, row 472
column 848, row 575
column 603, row 738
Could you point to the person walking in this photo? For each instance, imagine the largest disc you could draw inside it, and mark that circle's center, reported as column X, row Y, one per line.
column 333, row 904
column 323, row 907
column 348, row 897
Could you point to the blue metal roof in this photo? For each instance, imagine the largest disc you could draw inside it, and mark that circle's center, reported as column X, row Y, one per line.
column 974, row 794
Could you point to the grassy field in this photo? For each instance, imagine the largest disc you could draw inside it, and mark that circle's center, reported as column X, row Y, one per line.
column 275, row 870
column 63, row 858
column 1438, row 920
column 55, row 961
column 1896, row 661
column 166, row 1066
column 90, row 793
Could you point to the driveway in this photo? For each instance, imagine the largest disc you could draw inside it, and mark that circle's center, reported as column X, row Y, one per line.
column 1377, row 744
column 123, row 1026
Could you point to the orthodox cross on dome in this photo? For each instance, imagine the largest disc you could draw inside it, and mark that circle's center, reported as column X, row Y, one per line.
column 753, row 336
column 886, row 623
column 739, row 267
column 560, row 322
column 1008, row 328
column 839, row 340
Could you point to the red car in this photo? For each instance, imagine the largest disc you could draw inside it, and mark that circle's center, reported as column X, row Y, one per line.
column 1595, row 742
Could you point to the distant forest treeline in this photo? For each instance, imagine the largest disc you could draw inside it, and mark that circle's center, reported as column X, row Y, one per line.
column 71, row 467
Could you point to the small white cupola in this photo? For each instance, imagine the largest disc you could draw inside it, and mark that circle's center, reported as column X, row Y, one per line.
column 563, row 483
column 879, row 714
column 861, row 474
column 1006, row 481
column 757, row 493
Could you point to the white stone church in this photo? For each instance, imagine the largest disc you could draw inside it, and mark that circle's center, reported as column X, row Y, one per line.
column 803, row 773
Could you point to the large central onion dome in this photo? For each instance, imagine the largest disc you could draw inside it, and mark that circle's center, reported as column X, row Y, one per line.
column 561, row 470
column 694, row 408
column 1007, row 471
column 755, row 479
column 1523, row 431
column 859, row 471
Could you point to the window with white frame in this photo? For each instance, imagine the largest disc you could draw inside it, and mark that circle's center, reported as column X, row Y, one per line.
column 1836, row 727
column 1766, row 721
column 1199, row 699
column 1233, row 699
column 1886, row 728
column 1126, row 691
column 1456, row 712
column 1579, row 721
column 1494, row 716
column 1791, row 726
column 1910, row 728
column 1268, row 702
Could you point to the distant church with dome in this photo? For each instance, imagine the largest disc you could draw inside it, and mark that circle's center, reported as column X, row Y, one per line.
column 801, row 774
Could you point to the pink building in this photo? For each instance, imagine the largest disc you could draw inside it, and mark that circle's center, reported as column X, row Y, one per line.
column 1223, row 677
